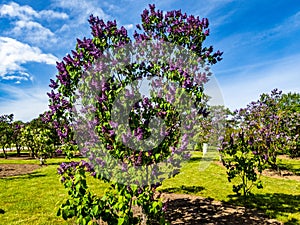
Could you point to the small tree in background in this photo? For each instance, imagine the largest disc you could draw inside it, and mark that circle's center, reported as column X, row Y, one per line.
column 260, row 132
column 40, row 138
column 17, row 136
column 6, row 132
column 289, row 104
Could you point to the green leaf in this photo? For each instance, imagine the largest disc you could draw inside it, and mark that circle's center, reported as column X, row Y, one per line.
column 259, row 185
column 121, row 221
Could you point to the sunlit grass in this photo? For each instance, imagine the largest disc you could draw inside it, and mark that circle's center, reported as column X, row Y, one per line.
column 54, row 161
column 292, row 165
column 280, row 198
column 34, row 198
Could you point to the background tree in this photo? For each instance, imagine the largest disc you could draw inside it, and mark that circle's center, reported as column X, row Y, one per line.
column 17, row 136
column 40, row 138
column 289, row 104
column 212, row 125
column 6, row 132
column 259, row 133
column 28, row 131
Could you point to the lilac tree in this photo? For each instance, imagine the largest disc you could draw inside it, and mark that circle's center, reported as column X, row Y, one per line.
column 259, row 133
column 95, row 96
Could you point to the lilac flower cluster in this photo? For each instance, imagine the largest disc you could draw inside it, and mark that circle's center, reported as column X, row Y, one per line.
column 58, row 151
column 176, row 27
column 103, row 30
column 68, row 74
column 67, row 170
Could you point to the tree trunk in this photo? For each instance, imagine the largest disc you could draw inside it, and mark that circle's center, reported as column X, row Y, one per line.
column 31, row 152
column 276, row 168
column 4, row 152
column 18, row 147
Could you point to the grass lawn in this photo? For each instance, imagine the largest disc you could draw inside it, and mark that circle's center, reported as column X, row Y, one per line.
column 292, row 165
column 32, row 198
column 35, row 198
column 280, row 198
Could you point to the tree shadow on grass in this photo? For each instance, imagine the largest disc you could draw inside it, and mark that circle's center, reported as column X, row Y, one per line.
column 290, row 168
column 195, row 159
column 184, row 189
column 188, row 211
column 52, row 163
column 2, row 211
column 31, row 175
column 273, row 204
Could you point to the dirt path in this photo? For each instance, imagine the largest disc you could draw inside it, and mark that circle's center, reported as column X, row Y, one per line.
column 8, row 170
column 285, row 174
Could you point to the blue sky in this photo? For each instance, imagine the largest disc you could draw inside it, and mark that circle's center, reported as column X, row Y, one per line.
column 259, row 38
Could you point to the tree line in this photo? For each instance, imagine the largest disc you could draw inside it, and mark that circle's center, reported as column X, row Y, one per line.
column 38, row 137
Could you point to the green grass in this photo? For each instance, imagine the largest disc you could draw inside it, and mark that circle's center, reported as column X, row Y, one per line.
column 292, row 165
column 35, row 198
column 280, row 198
column 32, row 161
column 32, row 198
column 210, row 183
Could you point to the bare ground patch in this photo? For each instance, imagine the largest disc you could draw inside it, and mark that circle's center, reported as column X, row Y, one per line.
column 187, row 209
column 8, row 170
column 284, row 174
column 192, row 210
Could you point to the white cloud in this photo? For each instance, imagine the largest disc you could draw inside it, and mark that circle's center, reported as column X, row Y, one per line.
column 112, row 7
column 77, row 25
column 244, row 86
column 80, row 10
column 52, row 14
column 34, row 32
column 15, row 10
column 25, row 104
column 27, row 13
column 14, row 54
column 128, row 26
column 219, row 20
column 24, row 20
column 18, row 76
column 13, row 77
